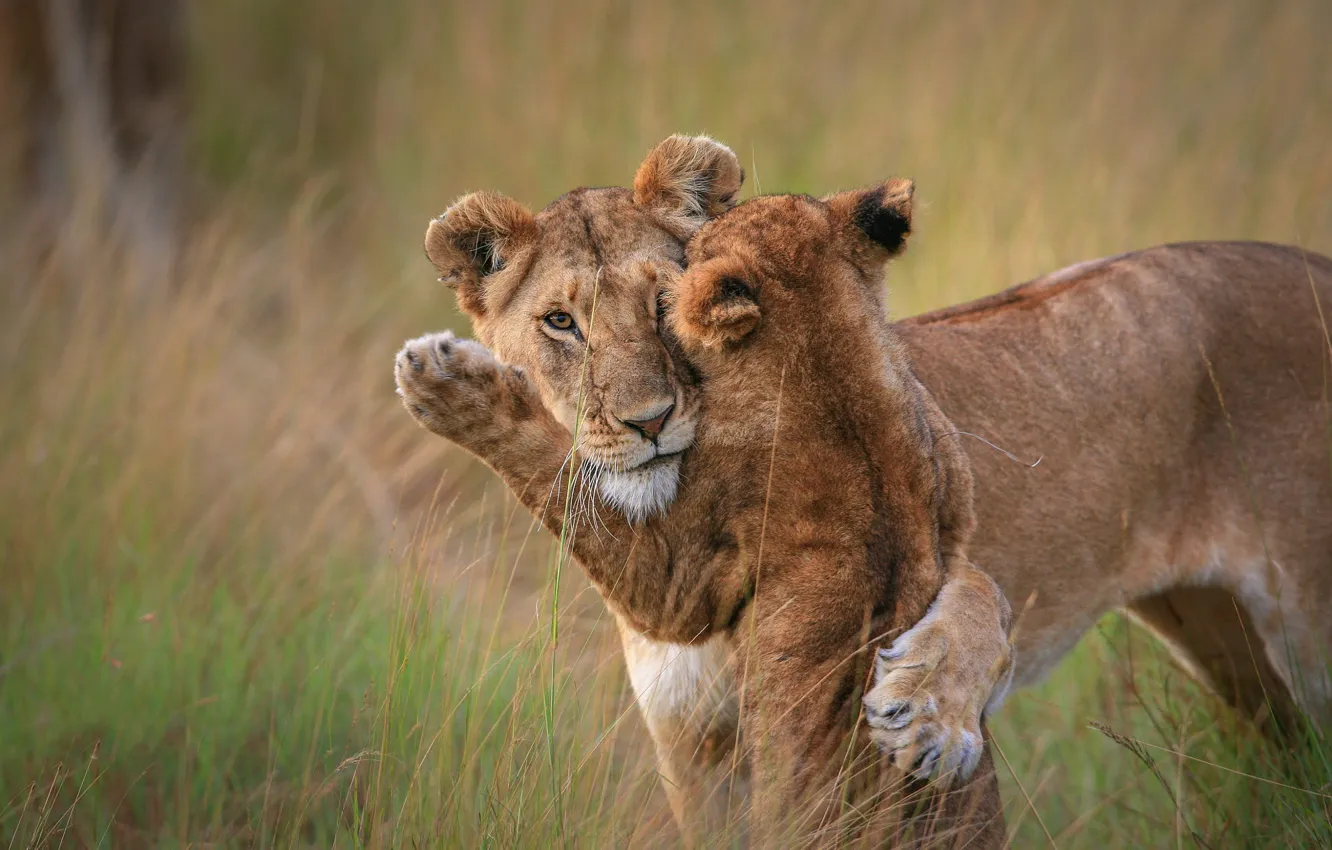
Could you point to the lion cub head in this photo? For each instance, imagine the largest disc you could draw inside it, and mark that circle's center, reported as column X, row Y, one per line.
column 796, row 274
column 572, row 296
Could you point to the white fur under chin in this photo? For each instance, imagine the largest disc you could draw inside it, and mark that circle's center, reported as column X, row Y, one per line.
column 643, row 492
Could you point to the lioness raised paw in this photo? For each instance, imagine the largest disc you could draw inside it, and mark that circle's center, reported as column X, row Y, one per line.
column 457, row 389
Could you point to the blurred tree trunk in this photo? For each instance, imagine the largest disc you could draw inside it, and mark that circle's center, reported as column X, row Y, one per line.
column 92, row 94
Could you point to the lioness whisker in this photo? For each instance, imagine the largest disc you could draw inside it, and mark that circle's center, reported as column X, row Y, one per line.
column 559, row 476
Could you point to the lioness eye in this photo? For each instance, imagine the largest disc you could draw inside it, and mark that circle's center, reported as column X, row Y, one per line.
column 560, row 320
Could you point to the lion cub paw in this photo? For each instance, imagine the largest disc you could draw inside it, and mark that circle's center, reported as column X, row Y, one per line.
column 454, row 387
column 920, row 712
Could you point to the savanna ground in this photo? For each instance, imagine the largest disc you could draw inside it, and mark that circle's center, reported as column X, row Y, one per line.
column 244, row 600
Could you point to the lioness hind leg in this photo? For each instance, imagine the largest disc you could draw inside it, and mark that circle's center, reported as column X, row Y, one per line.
column 1217, row 640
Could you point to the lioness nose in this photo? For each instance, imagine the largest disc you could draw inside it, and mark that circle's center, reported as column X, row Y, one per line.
column 650, row 427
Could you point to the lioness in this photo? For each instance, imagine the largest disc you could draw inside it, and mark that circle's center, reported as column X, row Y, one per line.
column 1206, row 521
column 802, row 563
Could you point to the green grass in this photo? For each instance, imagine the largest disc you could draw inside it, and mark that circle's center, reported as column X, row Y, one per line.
column 1196, row 768
column 153, row 700
column 245, row 601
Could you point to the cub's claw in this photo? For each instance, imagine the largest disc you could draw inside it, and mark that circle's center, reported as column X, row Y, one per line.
column 939, row 678
column 927, row 725
column 898, row 713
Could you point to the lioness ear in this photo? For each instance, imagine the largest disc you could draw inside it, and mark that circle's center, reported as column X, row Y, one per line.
column 714, row 303
column 883, row 212
column 481, row 234
column 687, row 180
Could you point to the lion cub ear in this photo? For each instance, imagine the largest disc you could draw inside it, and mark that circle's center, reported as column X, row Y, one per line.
column 687, row 180
column 882, row 212
column 714, row 303
column 481, row 234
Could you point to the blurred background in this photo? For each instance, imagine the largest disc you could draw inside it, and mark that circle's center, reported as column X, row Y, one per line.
column 244, row 600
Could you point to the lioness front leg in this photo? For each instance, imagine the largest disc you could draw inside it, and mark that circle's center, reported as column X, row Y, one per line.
column 687, row 697
column 938, row 680
column 459, row 390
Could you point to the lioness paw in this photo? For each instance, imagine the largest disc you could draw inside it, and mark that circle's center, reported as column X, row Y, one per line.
column 451, row 386
column 920, row 712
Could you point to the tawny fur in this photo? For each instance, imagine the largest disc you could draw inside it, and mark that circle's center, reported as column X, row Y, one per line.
column 802, row 567
column 595, row 256
column 782, row 310
column 687, row 180
column 480, row 234
column 597, row 252
column 1177, row 398
column 1045, row 370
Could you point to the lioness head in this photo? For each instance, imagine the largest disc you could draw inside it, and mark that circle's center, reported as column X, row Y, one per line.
column 572, row 296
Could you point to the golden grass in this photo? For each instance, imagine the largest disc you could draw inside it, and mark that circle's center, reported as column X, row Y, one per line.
column 246, row 435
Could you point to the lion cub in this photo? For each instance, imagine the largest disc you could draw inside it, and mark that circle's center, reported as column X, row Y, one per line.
column 820, row 511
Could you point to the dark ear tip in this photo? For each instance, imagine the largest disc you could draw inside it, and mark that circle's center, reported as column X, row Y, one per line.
column 884, row 214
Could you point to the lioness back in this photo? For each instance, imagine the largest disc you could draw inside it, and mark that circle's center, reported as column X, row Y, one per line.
column 1177, row 398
